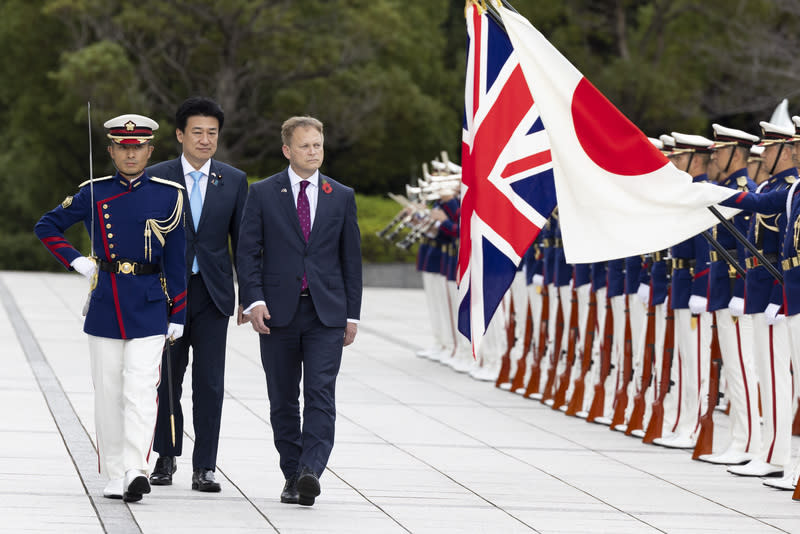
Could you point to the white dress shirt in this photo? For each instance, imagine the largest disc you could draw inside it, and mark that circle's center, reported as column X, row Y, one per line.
column 203, row 183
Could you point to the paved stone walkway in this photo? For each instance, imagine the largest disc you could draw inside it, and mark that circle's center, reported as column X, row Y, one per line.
column 419, row 448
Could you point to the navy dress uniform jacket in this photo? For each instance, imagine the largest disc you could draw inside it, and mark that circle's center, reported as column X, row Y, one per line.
column 719, row 282
column 776, row 202
column 125, row 306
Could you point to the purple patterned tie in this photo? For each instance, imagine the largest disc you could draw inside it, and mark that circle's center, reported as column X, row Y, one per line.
column 304, row 214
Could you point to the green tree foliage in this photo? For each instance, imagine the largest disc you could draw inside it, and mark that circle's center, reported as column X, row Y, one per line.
column 386, row 77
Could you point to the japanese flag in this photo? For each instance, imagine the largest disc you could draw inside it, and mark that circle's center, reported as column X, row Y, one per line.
column 617, row 194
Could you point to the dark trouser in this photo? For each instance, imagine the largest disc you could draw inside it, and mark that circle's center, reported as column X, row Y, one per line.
column 312, row 350
column 206, row 332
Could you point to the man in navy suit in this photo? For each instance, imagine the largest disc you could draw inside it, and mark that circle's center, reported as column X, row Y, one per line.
column 299, row 264
column 215, row 195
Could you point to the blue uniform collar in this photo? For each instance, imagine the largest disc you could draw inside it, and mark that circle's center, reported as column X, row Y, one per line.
column 731, row 179
column 131, row 186
column 791, row 171
column 700, row 178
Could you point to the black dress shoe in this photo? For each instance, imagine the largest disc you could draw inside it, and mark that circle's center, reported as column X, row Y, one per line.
column 307, row 487
column 163, row 471
column 203, row 480
column 289, row 494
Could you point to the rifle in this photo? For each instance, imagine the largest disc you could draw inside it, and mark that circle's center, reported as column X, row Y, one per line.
column 505, row 364
column 656, row 425
column 551, row 372
column 639, row 401
column 705, row 439
column 519, row 377
column 598, row 401
column 576, row 402
column 621, row 395
column 536, row 365
column 564, row 380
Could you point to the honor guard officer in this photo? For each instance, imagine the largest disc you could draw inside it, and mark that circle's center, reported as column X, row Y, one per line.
column 735, row 332
column 689, row 299
column 763, row 301
column 138, row 270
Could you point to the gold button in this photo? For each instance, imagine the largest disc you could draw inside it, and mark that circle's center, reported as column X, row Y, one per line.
column 113, row 256
column 105, row 206
column 108, row 226
column 111, row 245
column 110, row 236
column 106, row 215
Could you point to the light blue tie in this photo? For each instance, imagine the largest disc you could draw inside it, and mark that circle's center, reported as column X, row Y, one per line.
column 196, row 203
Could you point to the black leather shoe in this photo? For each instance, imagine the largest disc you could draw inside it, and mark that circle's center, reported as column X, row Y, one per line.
column 307, row 487
column 163, row 471
column 289, row 494
column 203, row 480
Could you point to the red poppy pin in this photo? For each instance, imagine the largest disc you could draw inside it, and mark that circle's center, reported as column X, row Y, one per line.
column 326, row 187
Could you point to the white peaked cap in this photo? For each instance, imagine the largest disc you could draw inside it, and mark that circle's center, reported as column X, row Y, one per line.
column 696, row 142
column 656, row 143
column 725, row 134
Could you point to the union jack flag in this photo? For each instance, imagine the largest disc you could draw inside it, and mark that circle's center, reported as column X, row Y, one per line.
column 507, row 190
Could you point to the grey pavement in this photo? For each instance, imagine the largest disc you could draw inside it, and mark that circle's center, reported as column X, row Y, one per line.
column 419, row 448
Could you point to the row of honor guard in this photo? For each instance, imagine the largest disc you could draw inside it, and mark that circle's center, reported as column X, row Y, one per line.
column 652, row 345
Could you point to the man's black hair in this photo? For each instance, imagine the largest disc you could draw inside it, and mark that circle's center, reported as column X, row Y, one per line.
column 198, row 105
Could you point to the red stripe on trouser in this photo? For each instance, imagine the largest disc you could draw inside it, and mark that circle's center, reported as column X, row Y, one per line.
column 699, row 378
column 680, row 391
column 746, row 388
column 774, row 400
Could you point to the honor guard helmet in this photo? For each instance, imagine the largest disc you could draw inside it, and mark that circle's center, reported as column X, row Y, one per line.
column 130, row 129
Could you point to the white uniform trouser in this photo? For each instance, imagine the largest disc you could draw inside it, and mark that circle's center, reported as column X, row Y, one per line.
column 463, row 346
column 771, row 350
column 519, row 296
column 583, row 294
column 493, row 345
column 565, row 295
column 436, row 291
column 615, row 377
column 535, row 301
column 736, row 346
column 660, row 320
column 693, row 341
column 594, row 371
column 125, row 374
column 638, row 315
column 550, row 358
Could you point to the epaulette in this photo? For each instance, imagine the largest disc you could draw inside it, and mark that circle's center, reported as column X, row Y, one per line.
column 790, row 179
column 741, row 181
column 96, row 180
column 166, row 182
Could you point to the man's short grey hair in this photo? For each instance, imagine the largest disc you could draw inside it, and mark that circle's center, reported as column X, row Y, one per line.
column 293, row 123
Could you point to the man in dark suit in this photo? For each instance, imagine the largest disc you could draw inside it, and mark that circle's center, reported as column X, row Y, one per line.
column 215, row 196
column 299, row 260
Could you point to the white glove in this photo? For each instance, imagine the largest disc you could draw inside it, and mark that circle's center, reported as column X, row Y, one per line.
column 697, row 304
column 538, row 280
column 174, row 331
column 771, row 314
column 736, row 306
column 86, row 266
column 644, row 294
